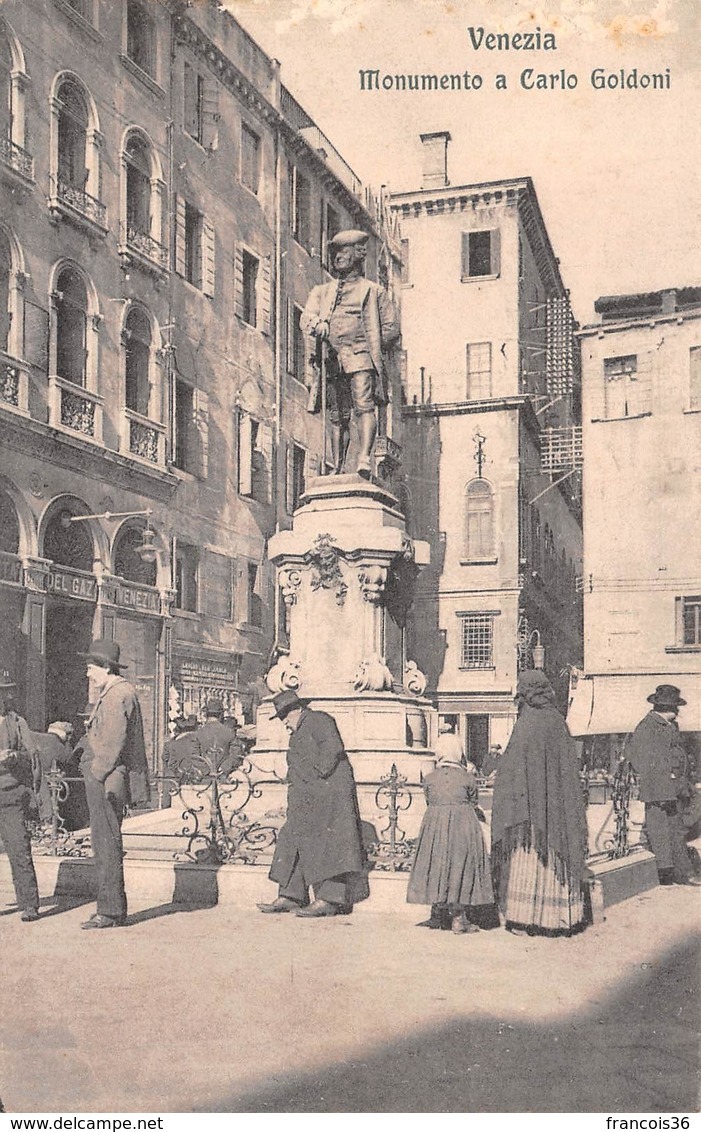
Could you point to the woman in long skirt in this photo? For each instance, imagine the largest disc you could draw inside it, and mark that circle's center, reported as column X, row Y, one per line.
column 539, row 830
column 451, row 866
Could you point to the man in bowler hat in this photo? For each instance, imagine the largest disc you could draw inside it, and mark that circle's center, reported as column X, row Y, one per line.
column 113, row 764
column 658, row 757
column 354, row 320
column 320, row 844
column 19, row 774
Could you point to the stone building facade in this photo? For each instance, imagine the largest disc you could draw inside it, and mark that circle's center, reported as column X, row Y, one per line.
column 492, row 444
column 167, row 207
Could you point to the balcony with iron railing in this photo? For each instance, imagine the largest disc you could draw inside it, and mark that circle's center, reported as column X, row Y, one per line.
column 16, row 160
column 75, row 204
column 75, row 409
column 140, row 249
column 143, row 438
column 14, row 385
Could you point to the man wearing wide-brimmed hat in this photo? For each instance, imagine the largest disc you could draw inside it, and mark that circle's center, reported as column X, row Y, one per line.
column 349, row 324
column 114, row 767
column 320, row 845
column 19, row 771
column 658, row 756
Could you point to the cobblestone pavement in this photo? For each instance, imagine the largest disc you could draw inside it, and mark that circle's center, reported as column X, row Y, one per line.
column 223, row 1009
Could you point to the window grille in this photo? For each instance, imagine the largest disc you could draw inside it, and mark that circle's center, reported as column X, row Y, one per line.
column 476, row 640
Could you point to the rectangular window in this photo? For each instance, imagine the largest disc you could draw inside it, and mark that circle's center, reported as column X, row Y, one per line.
column 331, row 226
column 302, row 229
column 193, row 245
column 255, row 603
column 695, row 377
column 254, row 455
column 193, row 111
column 405, row 277
column 476, row 639
column 250, row 158
column 480, row 253
column 479, row 370
column 186, row 574
column 298, row 465
column 183, row 416
column 297, row 348
column 250, row 289
column 624, row 392
column 141, row 38
column 691, row 620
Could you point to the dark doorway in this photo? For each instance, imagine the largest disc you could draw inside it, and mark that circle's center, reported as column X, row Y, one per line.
column 477, row 738
column 68, row 633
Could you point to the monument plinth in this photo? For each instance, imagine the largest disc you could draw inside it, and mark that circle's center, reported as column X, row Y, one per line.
column 347, row 572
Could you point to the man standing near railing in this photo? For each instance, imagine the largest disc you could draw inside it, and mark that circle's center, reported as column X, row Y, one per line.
column 658, row 757
column 114, row 767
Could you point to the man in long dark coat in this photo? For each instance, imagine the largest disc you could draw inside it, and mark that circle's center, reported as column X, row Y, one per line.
column 320, row 845
column 657, row 755
column 19, row 772
column 113, row 763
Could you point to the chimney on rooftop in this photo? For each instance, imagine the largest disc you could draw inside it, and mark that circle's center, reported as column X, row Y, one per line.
column 435, row 160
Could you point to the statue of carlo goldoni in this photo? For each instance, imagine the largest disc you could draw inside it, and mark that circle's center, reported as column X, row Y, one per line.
column 348, row 325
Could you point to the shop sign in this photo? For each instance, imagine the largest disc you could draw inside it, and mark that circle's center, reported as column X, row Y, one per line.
column 132, row 596
column 10, row 568
column 71, row 583
column 213, row 673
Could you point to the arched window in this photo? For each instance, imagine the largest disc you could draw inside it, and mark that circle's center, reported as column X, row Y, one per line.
column 67, row 543
column 6, row 94
column 72, row 136
column 128, row 563
column 137, row 350
column 9, row 525
column 5, row 277
column 138, row 173
column 71, row 326
column 143, row 192
column 13, row 86
column 479, row 521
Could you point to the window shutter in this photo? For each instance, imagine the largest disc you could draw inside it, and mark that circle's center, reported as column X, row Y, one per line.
column 465, row 253
column 289, row 337
column 36, row 336
column 265, row 447
column 289, row 478
column 292, row 185
column 180, row 235
column 190, row 99
column 200, row 405
column 208, row 260
column 244, row 455
column 264, row 295
column 218, row 590
column 238, row 280
column 210, row 114
column 495, row 251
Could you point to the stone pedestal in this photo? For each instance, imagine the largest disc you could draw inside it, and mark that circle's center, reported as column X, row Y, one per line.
column 347, row 572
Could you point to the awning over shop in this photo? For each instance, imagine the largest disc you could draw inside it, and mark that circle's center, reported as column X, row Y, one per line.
column 610, row 705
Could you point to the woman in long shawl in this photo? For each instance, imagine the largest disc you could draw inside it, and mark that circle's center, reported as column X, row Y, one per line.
column 539, row 830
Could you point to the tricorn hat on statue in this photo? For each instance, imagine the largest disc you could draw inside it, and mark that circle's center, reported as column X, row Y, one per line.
column 104, row 652
column 351, row 238
column 6, row 680
column 285, row 702
column 666, row 696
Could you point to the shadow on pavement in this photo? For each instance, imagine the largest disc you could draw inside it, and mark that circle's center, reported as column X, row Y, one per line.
column 639, row 1053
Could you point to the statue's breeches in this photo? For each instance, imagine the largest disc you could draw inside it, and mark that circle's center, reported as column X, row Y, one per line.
column 350, row 393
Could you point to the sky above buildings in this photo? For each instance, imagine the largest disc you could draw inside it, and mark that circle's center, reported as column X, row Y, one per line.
column 616, row 171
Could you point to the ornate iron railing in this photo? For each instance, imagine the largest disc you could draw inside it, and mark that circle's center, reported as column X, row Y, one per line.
column 88, row 206
column 393, row 851
column 76, row 408
column 16, row 158
column 9, row 384
column 145, row 245
column 216, row 828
